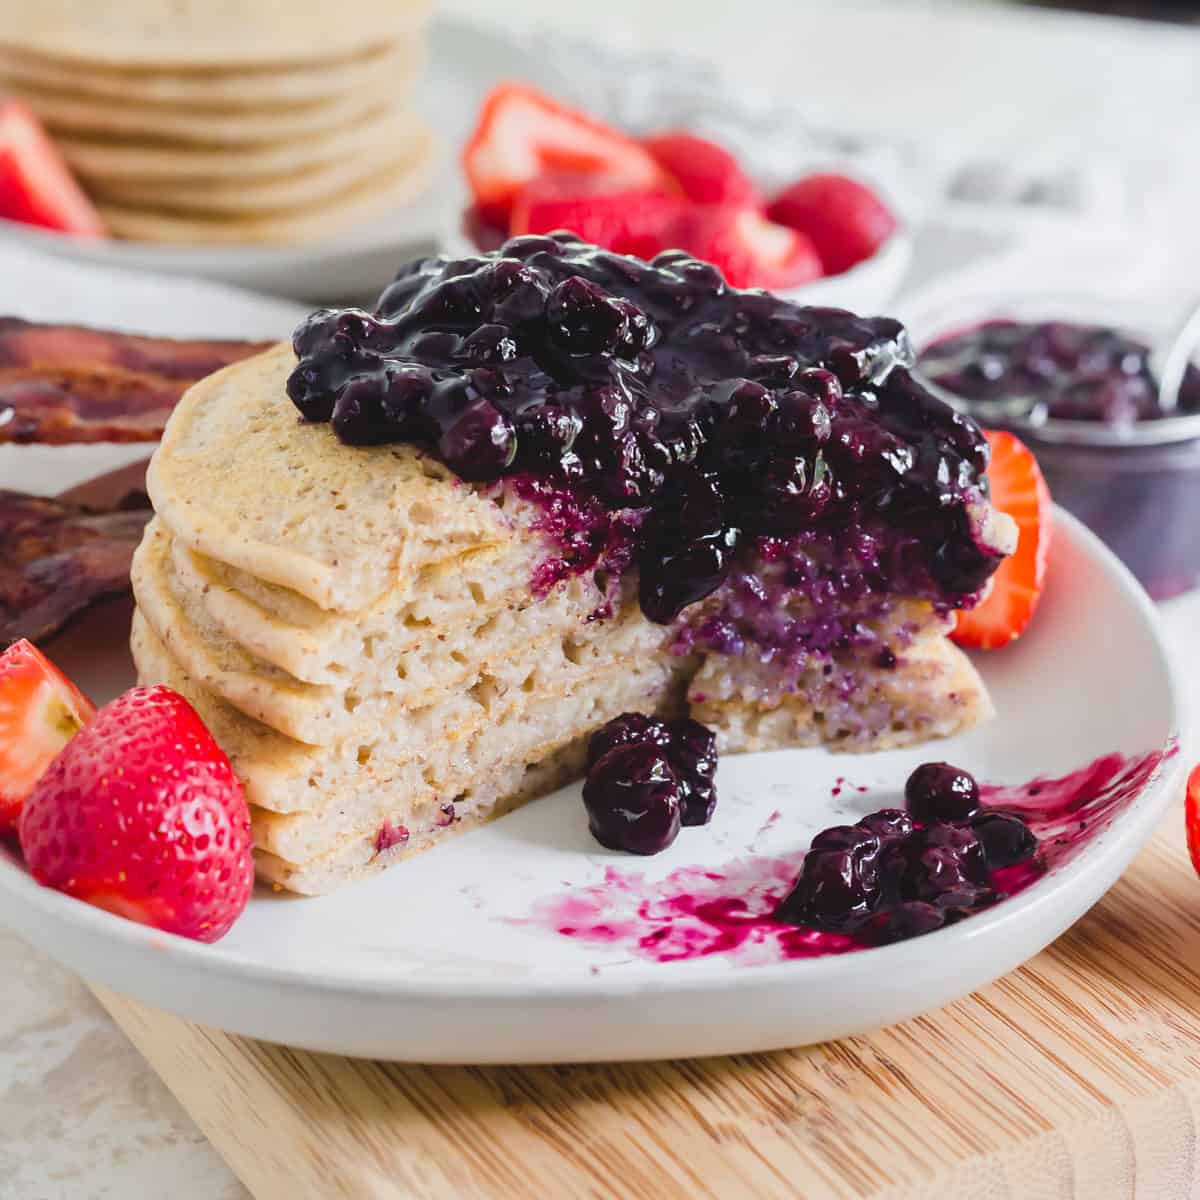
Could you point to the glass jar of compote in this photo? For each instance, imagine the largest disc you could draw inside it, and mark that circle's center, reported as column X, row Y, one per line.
column 1078, row 384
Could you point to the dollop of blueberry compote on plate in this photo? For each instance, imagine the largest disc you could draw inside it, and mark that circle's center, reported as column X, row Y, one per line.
column 730, row 423
column 898, row 874
column 647, row 778
column 1063, row 370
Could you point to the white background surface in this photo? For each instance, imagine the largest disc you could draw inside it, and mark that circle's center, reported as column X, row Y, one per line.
column 80, row 1114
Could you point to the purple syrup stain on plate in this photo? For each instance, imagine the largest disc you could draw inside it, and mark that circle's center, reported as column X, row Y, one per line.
column 697, row 912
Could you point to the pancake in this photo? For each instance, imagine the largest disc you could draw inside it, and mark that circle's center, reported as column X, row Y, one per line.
column 550, row 645
column 464, row 597
column 377, row 194
column 215, row 126
column 136, row 162
column 427, row 747
column 457, row 785
column 308, row 187
column 341, row 528
column 160, row 35
column 303, row 83
column 933, row 692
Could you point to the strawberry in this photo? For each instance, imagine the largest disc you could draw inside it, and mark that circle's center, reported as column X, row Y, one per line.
column 142, row 815
column 749, row 250
column 1192, row 808
column 36, row 186
column 522, row 134
column 41, row 710
column 846, row 221
column 706, row 173
column 627, row 222
column 1019, row 490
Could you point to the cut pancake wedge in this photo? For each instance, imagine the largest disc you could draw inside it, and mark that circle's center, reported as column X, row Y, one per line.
column 302, row 83
column 375, row 644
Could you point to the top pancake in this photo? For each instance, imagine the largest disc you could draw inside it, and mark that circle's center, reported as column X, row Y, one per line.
column 200, row 34
column 240, row 478
column 304, row 83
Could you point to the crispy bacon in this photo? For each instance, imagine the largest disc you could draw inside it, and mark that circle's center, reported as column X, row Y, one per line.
column 57, row 559
column 63, row 384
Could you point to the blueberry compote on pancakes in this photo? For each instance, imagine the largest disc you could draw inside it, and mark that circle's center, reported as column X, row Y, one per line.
column 748, row 449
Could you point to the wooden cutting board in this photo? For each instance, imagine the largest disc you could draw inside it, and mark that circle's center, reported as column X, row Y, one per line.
column 1076, row 1076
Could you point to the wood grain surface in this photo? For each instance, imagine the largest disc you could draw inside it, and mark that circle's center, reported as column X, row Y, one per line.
column 1076, row 1076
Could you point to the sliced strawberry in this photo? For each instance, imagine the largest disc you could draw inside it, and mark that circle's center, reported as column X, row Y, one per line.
column 41, row 710
column 625, row 221
column 1192, row 808
column 1019, row 490
column 845, row 219
column 749, row 250
column 143, row 816
column 36, row 186
column 706, row 173
column 522, row 134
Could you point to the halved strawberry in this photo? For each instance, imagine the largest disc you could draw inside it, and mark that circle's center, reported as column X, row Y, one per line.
column 706, row 173
column 625, row 221
column 749, row 250
column 1019, row 490
column 36, row 186
column 522, row 133
column 845, row 219
column 143, row 815
column 41, row 710
column 1192, row 810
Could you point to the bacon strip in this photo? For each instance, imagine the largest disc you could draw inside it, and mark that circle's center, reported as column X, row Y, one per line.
column 57, row 559
column 62, row 384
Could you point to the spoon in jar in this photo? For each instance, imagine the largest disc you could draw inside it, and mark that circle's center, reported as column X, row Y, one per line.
column 1170, row 358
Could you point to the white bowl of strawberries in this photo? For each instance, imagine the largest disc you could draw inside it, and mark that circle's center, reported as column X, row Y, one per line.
column 534, row 166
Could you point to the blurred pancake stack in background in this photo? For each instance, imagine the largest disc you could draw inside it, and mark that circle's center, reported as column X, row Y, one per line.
column 226, row 121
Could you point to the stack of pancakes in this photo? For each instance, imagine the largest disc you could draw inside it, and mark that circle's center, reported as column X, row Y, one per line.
column 359, row 630
column 215, row 121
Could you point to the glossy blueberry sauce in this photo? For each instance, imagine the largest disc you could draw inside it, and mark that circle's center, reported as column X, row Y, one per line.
column 696, row 912
column 1067, row 371
column 664, row 420
column 648, row 778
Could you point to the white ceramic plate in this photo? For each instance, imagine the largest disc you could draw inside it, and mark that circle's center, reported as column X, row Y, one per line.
column 432, row 961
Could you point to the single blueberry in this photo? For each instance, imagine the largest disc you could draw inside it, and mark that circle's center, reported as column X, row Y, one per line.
column 629, row 729
column 890, row 825
column 839, row 888
column 584, row 319
column 632, row 800
column 692, row 750
column 1005, row 838
column 945, row 865
column 480, row 444
column 937, row 791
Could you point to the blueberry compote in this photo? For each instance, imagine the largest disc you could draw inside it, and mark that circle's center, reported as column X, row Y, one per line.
column 898, row 874
column 646, row 778
column 726, row 428
column 1061, row 370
